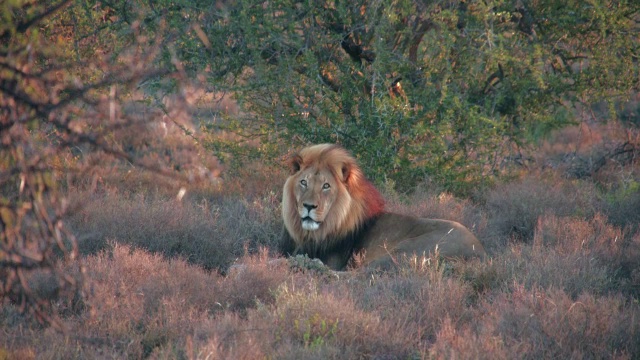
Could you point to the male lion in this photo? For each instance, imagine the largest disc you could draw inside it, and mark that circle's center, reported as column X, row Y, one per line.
column 331, row 212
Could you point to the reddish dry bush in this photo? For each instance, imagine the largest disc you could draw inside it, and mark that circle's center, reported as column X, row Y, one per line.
column 605, row 244
column 484, row 276
column 308, row 320
column 207, row 234
column 592, row 150
column 254, row 179
column 538, row 324
column 254, row 284
column 143, row 305
column 328, row 319
column 461, row 342
column 231, row 336
column 137, row 303
column 576, row 255
column 547, row 268
column 134, row 293
column 603, row 153
column 569, row 235
column 418, row 303
column 514, row 208
column 538, row 266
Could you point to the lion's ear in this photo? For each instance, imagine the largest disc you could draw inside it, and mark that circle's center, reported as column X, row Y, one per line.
column 346, row 171
column 295, row 163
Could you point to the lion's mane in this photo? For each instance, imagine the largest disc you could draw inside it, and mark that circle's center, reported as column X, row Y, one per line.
column 359, row 201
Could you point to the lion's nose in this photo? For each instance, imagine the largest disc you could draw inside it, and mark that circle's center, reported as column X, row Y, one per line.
column 309, row 207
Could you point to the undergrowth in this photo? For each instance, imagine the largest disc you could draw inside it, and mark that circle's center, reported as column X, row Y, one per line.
column 562, row 279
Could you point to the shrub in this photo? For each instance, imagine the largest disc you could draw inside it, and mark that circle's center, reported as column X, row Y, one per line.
column 514, row 208
column 209, row 234
column 326, row 319
column 461, row 342
column 578, row 256
column 569, row 235
column 622, row 203
column 255, row 284
column 418, row 304
column 143, row 305
column 605, row 245
column 547, row 268
column 539, row 324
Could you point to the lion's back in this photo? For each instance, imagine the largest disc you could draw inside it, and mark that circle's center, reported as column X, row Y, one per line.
column 395, row 235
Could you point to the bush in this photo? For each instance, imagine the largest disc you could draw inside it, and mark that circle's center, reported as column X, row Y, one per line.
column 622, row 204
column 514, row 208
column 550, row 324
column 597, row 240
column 209, row 234
column 539, row 324
column 576, row 255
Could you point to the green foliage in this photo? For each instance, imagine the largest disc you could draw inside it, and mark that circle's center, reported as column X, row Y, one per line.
column 626, row 190
column 414, row 90
column 449, row 90
column 316, row 330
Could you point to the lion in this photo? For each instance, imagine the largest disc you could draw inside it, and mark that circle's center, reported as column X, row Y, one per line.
column 332, row 212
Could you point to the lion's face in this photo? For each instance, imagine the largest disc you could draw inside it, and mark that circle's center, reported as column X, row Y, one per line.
column 326, row 197
column 315, row 192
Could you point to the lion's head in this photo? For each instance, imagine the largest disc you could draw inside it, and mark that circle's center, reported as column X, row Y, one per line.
column 327, row 197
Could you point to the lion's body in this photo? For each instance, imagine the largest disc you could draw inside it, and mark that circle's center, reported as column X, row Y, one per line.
column 331, row 212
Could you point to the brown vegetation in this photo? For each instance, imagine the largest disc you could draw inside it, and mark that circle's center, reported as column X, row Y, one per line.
column 567, row 287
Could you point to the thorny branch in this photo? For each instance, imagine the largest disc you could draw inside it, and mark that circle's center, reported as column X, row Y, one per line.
column 45, row 112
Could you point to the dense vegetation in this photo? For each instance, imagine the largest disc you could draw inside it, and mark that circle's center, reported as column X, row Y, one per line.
column 141, row 148
column 449, row 90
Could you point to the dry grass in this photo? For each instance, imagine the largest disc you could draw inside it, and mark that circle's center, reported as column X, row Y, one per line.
column 514, row 208
column 544, row 324
column 208, row 233
column 143, row 305
column 140, row 305
column 562, row 281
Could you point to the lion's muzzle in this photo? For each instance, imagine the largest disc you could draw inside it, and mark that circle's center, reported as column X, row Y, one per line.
column 308, row 215
column 310, row 224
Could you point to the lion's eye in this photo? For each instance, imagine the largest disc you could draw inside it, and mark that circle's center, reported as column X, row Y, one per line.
column 326, row 186
column 303, row 183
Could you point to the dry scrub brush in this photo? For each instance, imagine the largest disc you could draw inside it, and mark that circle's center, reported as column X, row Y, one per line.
column 514, row 207
column 542, row 324
column 210, row 233
column 140, row 304
column 63, row 120
column 146, row 305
